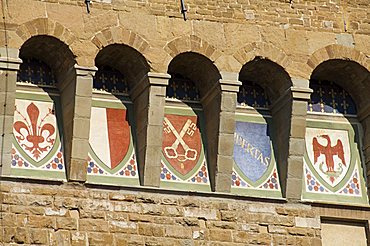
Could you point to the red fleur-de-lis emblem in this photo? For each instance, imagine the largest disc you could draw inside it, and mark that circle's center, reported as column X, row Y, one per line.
column 33, row 135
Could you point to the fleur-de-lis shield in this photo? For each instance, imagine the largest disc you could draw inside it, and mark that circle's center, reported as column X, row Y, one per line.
column 34, row 128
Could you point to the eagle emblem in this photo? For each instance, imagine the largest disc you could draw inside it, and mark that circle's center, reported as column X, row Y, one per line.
column 329, row 153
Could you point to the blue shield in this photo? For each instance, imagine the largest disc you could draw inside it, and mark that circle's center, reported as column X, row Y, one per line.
column 252, row 149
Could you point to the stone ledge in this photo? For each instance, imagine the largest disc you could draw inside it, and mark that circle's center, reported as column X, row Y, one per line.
column 7, row 63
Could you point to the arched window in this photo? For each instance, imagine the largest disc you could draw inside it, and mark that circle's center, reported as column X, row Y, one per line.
column 253, row 95
column 333, row 160
column 182, row 88
column 184, row 159
column 112, row 143
column 255, row 171
column 36, row 72
column 328, row 97
column 110, row 80
column 38, row 143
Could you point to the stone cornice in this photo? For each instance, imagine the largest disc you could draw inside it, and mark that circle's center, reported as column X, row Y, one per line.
column 150, row 79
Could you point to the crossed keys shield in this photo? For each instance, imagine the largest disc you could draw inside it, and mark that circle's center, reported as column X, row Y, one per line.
column 172, row 152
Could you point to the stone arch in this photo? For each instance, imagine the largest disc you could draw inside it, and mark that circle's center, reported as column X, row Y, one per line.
column 346, row 68
column 72, row 84
column 262, row 50
column 346, row 73
column 202, row 73
column 57, row 55
column 338, row 52
column 120, row 35
column 271, row 76
column 276, row 83
column 45, row 26
column 198, row 68
column 194, row 44
column 126, row 59
column 53, row 52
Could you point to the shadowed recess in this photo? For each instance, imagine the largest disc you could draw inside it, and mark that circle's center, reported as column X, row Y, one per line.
column 253, row 95
column 197, row 68
column 110, row 80
column 124, row 59
column 328, row 97
column 51, row 51
column 182, row 88
column 345, row 74
column 36, row 72
column 267, row 74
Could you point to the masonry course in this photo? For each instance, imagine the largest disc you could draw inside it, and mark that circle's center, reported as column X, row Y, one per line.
column 298, row 35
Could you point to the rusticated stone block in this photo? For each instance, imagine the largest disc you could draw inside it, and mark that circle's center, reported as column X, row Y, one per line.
column 66, row 223
column 146, row 229
column 96, row 238
column 122, row 226
column 39, row 236
column 307, row 222
column 220, row 235
column 97, row 225
column 41, row 222
column 79, row 238
column 208, row 214
column 178, row 232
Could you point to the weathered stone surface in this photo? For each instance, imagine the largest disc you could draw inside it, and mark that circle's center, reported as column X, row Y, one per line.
column 307, row 222
column 208, row 214
column 295, row 37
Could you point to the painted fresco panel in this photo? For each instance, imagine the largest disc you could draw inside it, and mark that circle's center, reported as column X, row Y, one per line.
column 184, row 164
column 329, row 152
column 332, row 163
column 112, row 158
column 254, row 171
column 37, row 150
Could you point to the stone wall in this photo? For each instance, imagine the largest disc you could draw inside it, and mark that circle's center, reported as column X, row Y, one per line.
column 296, row 37
column 71, row 214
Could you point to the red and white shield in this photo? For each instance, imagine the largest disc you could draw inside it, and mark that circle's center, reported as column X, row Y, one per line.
column 109, row 135
column 329, row 153
column 35, row 127
column 181, row 142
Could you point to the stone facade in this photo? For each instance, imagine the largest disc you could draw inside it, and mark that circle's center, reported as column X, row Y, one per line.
column 280, row 45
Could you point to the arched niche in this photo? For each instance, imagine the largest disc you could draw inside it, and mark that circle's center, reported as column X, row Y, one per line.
column 113, row 141
column 186, row 161
column 256, row 152
column 41, row 105
column 337, row 134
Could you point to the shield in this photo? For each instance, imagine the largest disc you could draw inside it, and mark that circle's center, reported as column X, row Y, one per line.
column 181, row 144
column 329, row 153
column 34, row 128
column 252, row 149
column 109, row 135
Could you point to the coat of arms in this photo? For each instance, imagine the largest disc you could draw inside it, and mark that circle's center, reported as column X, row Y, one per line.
column 34, row 128
column 329, row 153
column 252, row 149
column 181, row 142
column 109, row 135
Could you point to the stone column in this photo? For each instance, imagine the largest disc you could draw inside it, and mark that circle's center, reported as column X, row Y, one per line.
column 9, row 65
column 364, row 118
column 219, row 109
column 76, row 108
column 148, row 97
column 289, row 114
